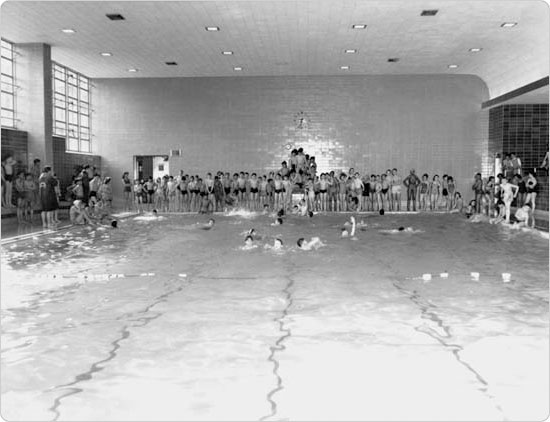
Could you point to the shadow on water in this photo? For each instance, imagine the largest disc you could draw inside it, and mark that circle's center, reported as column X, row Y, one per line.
column 443, row 336
column 137, row 319
column 279, row 347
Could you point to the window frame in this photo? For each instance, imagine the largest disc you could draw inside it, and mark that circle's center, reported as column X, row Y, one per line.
column 7, row 85
column 67, row 88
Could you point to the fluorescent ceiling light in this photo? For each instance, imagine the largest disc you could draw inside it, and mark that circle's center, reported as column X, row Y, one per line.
column 106, row 54
column 351, row 50
column 452, row 66
column 132, row 70
column 237, row 68
column 475, row 50
column 359, row 26
column 508, row 24
column 68, row 31
column 212, row 28
column 344, row 67
column 227, row 53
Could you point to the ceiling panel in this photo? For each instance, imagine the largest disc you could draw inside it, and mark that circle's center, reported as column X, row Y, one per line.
column 290, row 37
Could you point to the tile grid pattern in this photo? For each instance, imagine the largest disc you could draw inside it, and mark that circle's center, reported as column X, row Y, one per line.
column 522, row 129
column 15, row 142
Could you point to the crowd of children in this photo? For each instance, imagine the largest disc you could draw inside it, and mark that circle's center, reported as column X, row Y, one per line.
column 494, row 197
column 330, row 191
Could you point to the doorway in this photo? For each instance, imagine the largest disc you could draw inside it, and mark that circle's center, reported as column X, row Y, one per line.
column 154, row 166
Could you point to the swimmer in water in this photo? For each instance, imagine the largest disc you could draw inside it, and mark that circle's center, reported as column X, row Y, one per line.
column 277, row 245
column 345, row 232
column 248, row 243
column 522, row 215
column 314, row 243
column 500, row 213
column 401, row 230
column 278, row 221
column 208, row 225
column 78, row 214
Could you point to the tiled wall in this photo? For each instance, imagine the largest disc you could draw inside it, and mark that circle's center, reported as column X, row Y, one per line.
column 15, row 142
column 65, row 162
column 522, row 129
column 432, row 123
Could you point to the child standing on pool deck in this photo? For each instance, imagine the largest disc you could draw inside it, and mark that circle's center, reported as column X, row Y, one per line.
column 127, row 190
column 396, row 190
column 29, row 194
column 138, row 194
column 477, row 187
column 342, row 193
column 509, row 192
column 451, row 187
column 532, row 189
column 435, row 188
column 424, row 189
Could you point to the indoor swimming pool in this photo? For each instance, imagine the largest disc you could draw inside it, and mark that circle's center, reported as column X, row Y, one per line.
column 160, row 320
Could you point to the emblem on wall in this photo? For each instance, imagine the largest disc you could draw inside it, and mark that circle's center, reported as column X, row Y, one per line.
column 301, row 120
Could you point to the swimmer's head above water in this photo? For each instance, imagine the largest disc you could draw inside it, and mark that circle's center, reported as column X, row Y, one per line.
column 300, row 242
column 114, row 224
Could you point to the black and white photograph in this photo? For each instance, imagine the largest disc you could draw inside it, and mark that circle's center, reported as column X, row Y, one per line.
column 275, row 210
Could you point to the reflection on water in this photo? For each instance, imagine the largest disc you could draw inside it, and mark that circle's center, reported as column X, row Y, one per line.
column 262, row 335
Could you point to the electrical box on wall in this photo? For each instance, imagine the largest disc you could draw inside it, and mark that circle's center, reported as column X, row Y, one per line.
column 175, row 152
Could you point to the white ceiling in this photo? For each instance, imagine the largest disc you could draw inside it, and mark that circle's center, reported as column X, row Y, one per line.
column 272, row 37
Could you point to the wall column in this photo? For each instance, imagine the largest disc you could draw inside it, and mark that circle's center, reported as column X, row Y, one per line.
column 34, row 99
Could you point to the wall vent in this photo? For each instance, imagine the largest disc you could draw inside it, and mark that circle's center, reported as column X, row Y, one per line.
column 175, row 153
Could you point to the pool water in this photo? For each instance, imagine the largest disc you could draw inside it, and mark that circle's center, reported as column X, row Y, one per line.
column 200, row 329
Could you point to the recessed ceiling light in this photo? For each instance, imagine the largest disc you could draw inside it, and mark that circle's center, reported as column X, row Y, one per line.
column 351, row 51
column 475, row 50
column 227, row 53
column 212, row 28
column 344, row 67
column 133, row 70
column 393, row 59
column 68, row 31
column 452, row 66
column 508, row 24
column 106, row 54
column 359, row 26
column 431, row 12
column 237, row 68
column 171, row 63
column 115, row 16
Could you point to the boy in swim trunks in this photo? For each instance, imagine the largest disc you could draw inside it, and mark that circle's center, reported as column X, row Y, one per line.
column 411, row 182
column 396, row 190
column 509, row 192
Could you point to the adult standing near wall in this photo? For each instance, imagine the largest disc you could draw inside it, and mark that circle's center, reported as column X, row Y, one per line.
column 127, row 190
column 48, row 197
column 411, row 182
column 35, row 171
column 8, row 177
column 85, row 176
column 515, row 162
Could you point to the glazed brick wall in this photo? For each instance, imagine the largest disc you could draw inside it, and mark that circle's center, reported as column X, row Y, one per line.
column 16, row 142
column 522, row 129
column 64, row 163
column 432, row 123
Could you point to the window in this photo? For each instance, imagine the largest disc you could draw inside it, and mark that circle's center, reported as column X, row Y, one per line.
column 71, row 108
column 8, row 85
